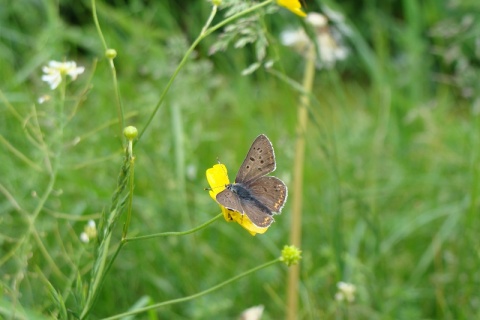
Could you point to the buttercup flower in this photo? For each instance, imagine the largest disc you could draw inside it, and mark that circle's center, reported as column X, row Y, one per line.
column 217, row 178
column 89, row 232
column 56, row 70
column 346, row 292
column 292, row 5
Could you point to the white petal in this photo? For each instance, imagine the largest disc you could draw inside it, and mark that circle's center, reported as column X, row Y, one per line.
column 84, row 237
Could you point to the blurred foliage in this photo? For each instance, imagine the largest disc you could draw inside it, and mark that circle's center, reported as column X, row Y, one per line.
column 391, row 181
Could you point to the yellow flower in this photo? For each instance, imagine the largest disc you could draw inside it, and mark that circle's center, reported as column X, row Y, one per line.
column 292, row 5
column 217, row 178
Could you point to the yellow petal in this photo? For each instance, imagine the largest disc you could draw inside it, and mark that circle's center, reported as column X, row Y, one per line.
column 244, row 221
column 292, row 5
column 217, row 178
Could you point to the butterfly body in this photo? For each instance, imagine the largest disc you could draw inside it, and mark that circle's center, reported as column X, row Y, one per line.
column 253, row 193
column 243, row 193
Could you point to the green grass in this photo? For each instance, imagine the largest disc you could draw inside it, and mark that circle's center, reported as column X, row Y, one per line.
column 391, row 178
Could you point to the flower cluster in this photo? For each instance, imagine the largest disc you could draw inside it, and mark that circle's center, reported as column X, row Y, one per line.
column 346, row 292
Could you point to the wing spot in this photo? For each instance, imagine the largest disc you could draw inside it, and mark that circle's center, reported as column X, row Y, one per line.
column 252, row 159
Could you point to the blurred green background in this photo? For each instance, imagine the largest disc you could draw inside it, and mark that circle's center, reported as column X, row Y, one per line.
column 391, row 170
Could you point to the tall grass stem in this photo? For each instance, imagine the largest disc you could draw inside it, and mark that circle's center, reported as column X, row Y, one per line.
column 196, row 295
column 297, row 193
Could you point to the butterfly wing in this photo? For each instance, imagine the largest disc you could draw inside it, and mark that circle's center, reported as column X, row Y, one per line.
column 260, row 160
column 258, row 214
column 270, row 191
column 229, row 200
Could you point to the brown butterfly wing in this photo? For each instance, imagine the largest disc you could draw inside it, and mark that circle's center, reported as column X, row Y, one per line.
column 258, row 214
column 270, row 191
column 229, row 200
column 260, row 160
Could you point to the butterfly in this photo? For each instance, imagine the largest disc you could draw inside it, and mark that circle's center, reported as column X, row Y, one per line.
column 253, row 193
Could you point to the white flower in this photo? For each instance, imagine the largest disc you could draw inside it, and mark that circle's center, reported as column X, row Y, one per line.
column 346, row 292
column 253, row 313
column 84, row 237
column 44, row 98
column 56, row 70
column 329, row 46
column 89, row 232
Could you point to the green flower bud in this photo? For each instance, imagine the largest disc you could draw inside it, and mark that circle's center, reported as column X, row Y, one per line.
column 291, row 255
column 130, row 132
column 111, row 54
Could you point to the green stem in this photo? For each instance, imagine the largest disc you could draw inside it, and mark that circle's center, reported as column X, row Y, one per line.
column 97, row 24
column 19, row 154
column 125, row 240
column 209, row 21
column 101, row 265
column 174, row 233
column 61, row 115
column 205, row 32
column 196, row 295
column 98, row 276
column 131, row 186
column 120, row 111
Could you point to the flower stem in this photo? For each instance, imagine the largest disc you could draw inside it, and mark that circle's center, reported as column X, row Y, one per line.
column 120, row 111
column 296, row 225
column 174, row 233
column 203, row 34
column 210, row 19
column 196, row 295
column 131, row 173
column 102, row 263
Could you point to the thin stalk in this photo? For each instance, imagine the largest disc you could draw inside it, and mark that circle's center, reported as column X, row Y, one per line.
column 193, row 296
column 131, row 186
column 297, row 201
column 120, row 111
column 174, row 233
column 206, row 31
column 102, row 263
column 19, row 154
column 179, row 151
